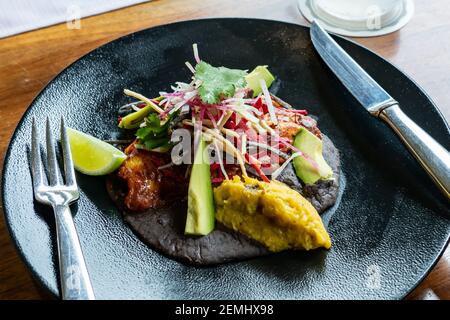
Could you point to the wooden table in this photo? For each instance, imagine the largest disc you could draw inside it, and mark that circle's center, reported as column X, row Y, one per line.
column 29, row 61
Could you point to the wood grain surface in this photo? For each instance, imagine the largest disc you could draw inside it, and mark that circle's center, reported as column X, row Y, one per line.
column 30, row 60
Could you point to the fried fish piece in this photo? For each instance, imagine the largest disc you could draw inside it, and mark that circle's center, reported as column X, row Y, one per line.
column 271, row 213
column 143, row 180
column 146, row 185
column 289, row 124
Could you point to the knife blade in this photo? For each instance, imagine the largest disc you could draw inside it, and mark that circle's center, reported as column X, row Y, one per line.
column 433, row 157
column 361, row 85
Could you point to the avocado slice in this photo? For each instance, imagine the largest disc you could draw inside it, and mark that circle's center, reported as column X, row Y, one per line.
column 253, row 78
column 200, row 213
column 315, row 168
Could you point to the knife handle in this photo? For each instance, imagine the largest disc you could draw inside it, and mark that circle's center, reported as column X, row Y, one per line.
column 433, row 157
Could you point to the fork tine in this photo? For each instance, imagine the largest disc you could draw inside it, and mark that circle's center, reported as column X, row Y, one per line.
column 52, row 163
column 36, row 163
column 67, row 156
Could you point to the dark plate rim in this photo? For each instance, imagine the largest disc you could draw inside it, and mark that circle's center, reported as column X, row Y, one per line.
column 6, row 212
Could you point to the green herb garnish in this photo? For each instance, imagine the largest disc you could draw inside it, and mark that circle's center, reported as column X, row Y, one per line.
column 218, row 82
column 155, row 134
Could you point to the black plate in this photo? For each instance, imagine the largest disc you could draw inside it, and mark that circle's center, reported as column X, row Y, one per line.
column 388, row 228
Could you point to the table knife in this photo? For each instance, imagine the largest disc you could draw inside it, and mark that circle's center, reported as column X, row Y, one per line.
column 433, row 157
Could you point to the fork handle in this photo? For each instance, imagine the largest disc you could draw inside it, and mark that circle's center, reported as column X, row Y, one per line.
column 75, row 282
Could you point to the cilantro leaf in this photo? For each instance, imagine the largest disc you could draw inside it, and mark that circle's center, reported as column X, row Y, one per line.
column 154, row 134
column 150, row 144
column 218, row 82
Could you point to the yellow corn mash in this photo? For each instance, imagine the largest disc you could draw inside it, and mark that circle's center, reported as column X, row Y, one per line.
column 270, row 213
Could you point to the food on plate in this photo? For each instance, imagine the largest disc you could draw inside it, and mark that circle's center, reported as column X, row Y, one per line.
column 271, row 213
column 253, row 79
column 221, row 169
column 93, row 156
column 310, row 171
column 200, row 212
column 145, row 185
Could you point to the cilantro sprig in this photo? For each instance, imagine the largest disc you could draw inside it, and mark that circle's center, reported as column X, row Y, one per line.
column 218, row 82
column 154, row 134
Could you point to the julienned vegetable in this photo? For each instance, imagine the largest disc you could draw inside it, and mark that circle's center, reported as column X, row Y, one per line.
column 220, row 100
column 217, row 104
column 134, row 120
column 247, row 191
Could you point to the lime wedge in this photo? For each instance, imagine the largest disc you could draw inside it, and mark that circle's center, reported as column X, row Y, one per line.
column 92, row 156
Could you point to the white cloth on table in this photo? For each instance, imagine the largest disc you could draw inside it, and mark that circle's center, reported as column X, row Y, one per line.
column 17, row 16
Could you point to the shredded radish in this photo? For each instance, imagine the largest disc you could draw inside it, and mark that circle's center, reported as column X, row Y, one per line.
column 177, row 107
column 211, row 117
column 244, row 144
column 269, row 103
column 135, row 107
column 219, row 156
column 311, row 161
column 196, row 56
column 144, row 99
column 197, row 83
column 249, row 101
column 127, row 106
column 267, row 147
column 185, row 100
column 223, row 113
column 240, row 93
column 231, row 147
column 238, row 118
column 277, row 172
column 190, row 67
column 226, row 115
column 184, row 109
column 183, row 85
column 287, row 144
column 173, row 94
column 190, row 94
column 230, row 133
column 291, row 112
column 244, row 113
column 267, row 127
column 255, row 111
column 258, row 128
column 224, row 108
column 163, row 101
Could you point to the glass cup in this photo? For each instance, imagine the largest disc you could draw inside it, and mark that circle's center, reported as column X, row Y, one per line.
column 357, row 16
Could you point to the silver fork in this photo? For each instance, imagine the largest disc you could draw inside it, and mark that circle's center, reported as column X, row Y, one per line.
column 51, row 190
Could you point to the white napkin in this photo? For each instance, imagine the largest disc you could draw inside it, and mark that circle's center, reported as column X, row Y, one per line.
column 18, row 16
